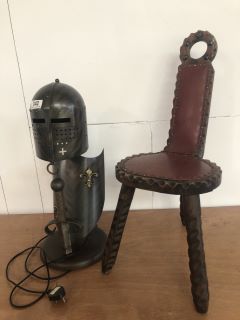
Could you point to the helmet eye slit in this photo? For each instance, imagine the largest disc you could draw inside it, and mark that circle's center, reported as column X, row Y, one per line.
column 60, row 120
column 38, row 120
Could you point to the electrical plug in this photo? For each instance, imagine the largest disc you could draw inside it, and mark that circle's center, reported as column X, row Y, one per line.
column 57, row 294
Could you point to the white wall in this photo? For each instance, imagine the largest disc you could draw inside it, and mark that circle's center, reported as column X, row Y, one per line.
column 122, row 57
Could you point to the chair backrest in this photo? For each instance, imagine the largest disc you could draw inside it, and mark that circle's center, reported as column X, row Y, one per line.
column 192, row 99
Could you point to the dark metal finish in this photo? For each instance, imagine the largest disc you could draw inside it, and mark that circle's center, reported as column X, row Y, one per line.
column 84, row 254
column 77, row 206
column 192, row 214
column 57, row 186
column 83, row 204
column 59, row 124
column 117, row 228
column 179, row 169
column 58, row 115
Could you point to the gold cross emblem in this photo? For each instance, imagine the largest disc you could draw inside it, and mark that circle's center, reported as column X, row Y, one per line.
column 88, row 175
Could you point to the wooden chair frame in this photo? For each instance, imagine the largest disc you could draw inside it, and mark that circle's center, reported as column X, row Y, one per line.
column 189, row 190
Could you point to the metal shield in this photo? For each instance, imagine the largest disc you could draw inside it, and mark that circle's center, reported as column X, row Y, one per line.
column 83, row 193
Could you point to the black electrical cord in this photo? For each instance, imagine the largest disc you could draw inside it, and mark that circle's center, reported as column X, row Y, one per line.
column 36, row 275
column 48, row 278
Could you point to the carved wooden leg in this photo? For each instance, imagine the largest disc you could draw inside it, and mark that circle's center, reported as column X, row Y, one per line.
column 182, row 210
column 192, row 214
column 117, row 228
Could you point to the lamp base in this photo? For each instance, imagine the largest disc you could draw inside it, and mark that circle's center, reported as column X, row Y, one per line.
column 89, row 252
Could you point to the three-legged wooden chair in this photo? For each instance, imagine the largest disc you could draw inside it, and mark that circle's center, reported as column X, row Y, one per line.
column 179, row 169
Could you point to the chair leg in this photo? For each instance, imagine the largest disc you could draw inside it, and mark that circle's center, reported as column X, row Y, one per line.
column 192, row 214
column 117, row 228
column 182, row 210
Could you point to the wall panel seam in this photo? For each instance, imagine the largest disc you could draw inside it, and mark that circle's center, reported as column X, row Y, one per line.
column 151, row 138
column 152, row 121
column 25, row 105
column 4, row 195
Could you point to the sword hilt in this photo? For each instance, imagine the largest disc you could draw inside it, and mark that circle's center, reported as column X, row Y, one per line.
column 57, row 186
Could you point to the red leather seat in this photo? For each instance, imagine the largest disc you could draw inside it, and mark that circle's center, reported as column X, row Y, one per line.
column 179, row 169
column 169, row 172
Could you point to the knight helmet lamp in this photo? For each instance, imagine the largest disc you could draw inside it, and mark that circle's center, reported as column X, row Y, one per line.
column 58, row 116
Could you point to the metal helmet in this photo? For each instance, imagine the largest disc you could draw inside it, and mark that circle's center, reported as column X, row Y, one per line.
column 58, row 116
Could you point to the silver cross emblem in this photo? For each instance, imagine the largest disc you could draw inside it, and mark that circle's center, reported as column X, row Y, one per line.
column 62, row 151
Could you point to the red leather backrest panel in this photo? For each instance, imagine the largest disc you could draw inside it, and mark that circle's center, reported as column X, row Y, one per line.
column 191, row 109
